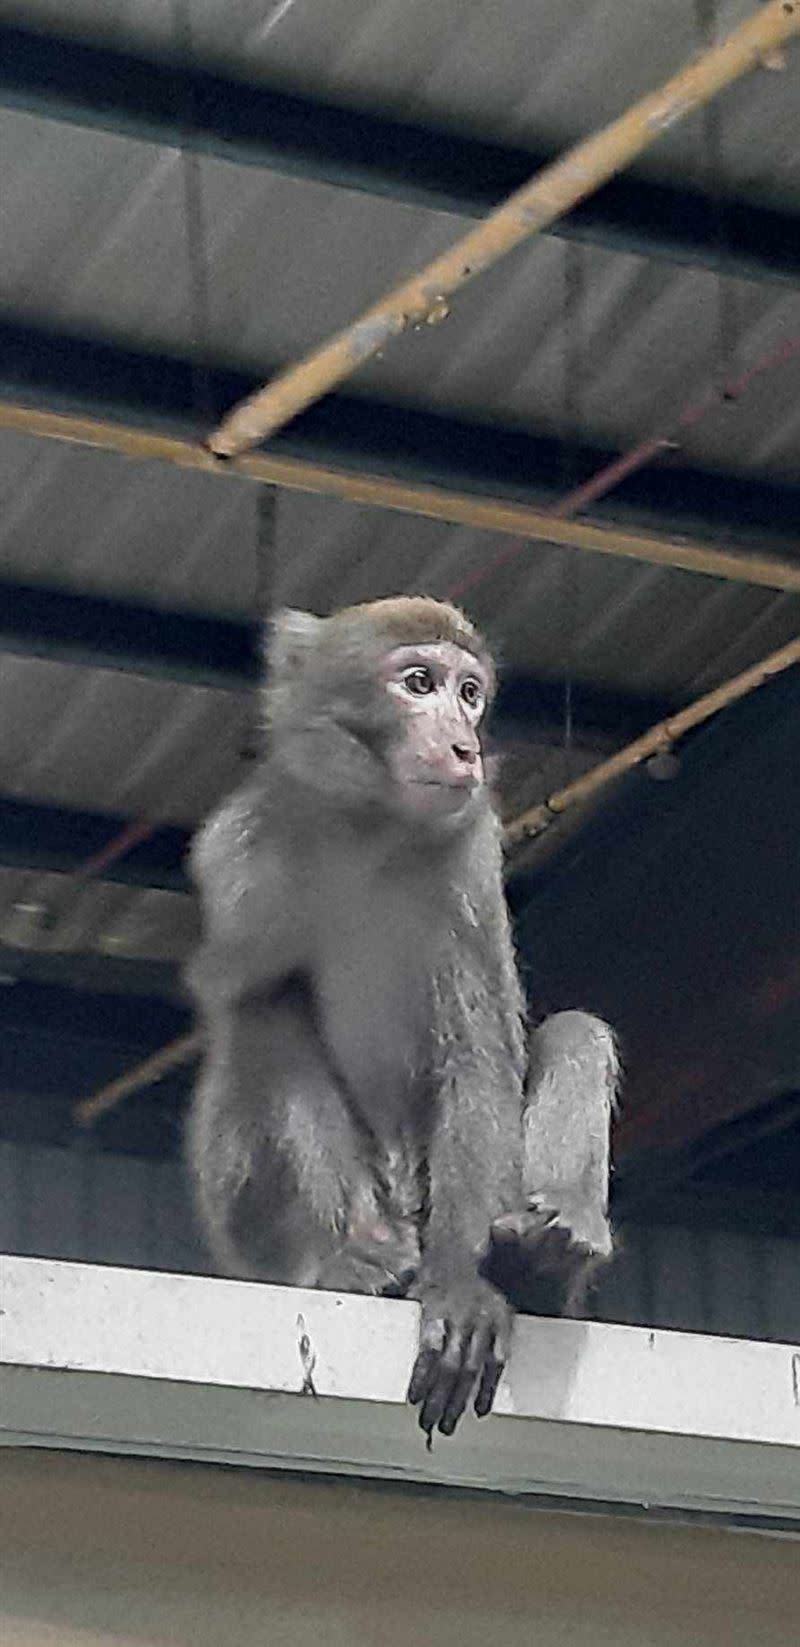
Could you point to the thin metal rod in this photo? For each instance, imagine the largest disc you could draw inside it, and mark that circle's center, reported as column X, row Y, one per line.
column 182, row 1051
column 637, row 457
column 551, row 194
column 722, row 394
column 516, row 520
column 659, row 738
column 133, row 834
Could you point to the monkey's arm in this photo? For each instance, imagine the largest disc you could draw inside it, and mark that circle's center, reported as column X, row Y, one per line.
column 545, row 1251
column 474, row 1171
column 252, row 937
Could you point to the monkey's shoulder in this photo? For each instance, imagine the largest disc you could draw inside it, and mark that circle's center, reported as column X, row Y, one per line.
column 241, row 838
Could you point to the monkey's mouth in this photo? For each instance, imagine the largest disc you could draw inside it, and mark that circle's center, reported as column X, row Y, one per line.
column 438, row 797
column 459, row 780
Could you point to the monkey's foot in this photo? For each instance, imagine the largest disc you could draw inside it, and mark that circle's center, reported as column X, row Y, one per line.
column 554, row 1233
column 347, row 1272
column 383, row 1261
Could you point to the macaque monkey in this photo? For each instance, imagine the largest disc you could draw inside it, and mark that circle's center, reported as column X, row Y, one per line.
column 372, row 1114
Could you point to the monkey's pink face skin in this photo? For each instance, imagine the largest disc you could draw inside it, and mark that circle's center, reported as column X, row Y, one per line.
column 440, row 692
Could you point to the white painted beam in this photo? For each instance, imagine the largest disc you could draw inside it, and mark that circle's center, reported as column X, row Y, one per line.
column 184, row 1366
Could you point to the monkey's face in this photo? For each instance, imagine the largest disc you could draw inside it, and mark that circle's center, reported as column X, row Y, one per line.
column 374, row 715
column 439, row 694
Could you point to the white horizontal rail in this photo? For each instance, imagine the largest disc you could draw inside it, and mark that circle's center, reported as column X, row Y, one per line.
column 187, row 1366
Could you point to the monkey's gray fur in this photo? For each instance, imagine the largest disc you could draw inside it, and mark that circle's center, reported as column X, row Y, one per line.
column 371, row 1113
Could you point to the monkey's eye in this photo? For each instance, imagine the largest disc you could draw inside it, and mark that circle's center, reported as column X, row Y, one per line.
column 418, row 681
column 472, row 693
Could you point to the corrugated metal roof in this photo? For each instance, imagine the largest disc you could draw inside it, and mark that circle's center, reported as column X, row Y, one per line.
column 548, row 72
column 118, row 742
column 290, row 261
column 139, row 531
column 95, row 521
column 550, row 611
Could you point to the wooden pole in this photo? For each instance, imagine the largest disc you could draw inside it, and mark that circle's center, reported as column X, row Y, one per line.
column 487, row 514
column 550, row 195
column 659, row 738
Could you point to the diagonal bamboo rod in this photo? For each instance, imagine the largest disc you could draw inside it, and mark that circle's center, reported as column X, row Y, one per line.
column 488, row 514
column 549, row 195
column 653, row 742
column 184, row 1050
column 526, row 827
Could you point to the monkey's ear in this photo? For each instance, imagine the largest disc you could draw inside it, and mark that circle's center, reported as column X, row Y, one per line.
column 289, row 638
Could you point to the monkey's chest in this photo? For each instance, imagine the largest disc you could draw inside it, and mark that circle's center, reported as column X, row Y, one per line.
column 373, row 997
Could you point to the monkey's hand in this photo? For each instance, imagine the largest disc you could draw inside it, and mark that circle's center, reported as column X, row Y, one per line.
column 464, row 1341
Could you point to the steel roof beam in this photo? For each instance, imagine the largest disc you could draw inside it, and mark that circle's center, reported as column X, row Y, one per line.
column 62, row 839
column 27, row 975
column 90, row 85
column 98, row 633
column 201, row 650
column 99, row 1018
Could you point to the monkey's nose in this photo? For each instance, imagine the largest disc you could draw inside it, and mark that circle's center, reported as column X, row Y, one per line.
column 463, row 752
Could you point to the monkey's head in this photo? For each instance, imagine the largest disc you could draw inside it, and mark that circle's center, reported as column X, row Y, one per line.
column 380, row 707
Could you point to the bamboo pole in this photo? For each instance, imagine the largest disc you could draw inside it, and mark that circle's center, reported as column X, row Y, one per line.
column 655, row 741
column 526, row 827
column 182, row 1051
column 518, row 520
column 552, row 193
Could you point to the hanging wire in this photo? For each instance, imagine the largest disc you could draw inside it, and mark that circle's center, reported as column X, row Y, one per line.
column 265, row 538
column 195, row 230
column 265, row 530
column 713, row 170
column 199, row 307
column 572, row 356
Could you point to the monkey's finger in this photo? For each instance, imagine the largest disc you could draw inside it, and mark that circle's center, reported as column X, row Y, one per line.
column 432, row 1339
column 450, row 1372
column 439, row 1397
column 477, row 1348
column 487, row 1389
column 423, row 1375
column 459, row 1396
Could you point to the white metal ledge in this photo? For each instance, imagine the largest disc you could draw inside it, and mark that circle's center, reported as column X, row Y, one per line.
column 178, row 1366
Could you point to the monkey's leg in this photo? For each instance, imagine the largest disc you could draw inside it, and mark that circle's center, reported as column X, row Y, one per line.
column 285, row 1184
column 544, row 1255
